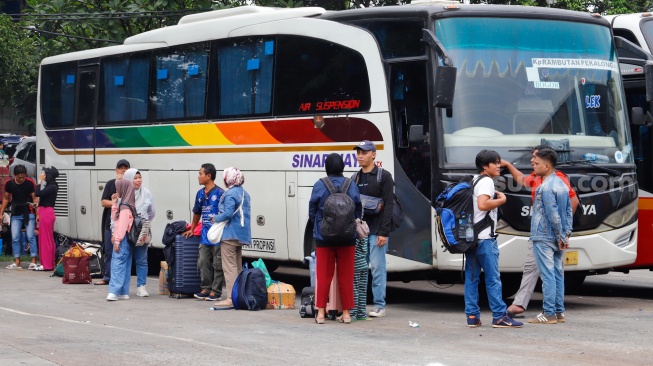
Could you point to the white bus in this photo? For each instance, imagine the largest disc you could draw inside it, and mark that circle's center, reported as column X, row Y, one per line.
column 273, row 91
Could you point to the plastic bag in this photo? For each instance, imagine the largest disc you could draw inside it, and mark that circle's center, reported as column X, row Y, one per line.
column 260, row 265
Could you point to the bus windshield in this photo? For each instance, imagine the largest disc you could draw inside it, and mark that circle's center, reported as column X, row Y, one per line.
column 526, row 82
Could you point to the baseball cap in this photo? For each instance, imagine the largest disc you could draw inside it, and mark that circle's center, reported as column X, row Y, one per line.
column 123, row 162
column 52, row 170
column 366, row 145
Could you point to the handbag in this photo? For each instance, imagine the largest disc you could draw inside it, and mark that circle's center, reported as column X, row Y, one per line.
column 76, row 265
column 215, row 232
column 362, row 229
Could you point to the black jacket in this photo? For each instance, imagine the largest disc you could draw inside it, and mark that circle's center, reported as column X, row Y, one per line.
column 367, row 185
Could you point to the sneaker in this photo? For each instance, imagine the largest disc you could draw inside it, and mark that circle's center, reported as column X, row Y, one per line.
column 202, row 295
column 112, row 297
column 560, row 317
column 142, row 292
column 212, row 297
column 473, row 321
column 123, row 297
column 542, row 318
column 506, row 322
column 377, row 312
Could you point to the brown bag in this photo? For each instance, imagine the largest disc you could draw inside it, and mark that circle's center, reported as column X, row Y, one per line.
column 76, row 268
column 362, row 229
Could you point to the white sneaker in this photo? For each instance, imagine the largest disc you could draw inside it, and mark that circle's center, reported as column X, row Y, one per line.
column 377, row 312
column 112, row 297
column 123, row 297
column 142, row 292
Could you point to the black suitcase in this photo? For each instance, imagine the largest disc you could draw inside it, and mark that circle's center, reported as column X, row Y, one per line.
column 184, row 276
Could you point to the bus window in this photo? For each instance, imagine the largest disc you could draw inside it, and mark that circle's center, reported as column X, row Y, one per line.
column 409, row 104
column 315, row 76
column 87, row 98
column 125, row 88
column 397, row 38
column 245, row 76
column 181, row 75
column 58, row 94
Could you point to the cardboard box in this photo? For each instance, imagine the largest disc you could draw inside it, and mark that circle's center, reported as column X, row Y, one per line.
column 163, row 279
column 281, row 296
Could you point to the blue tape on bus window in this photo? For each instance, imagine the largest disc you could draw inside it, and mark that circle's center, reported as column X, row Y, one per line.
column 253, row 64
column 269, row 48
column 162, row 74
column 70, row 79
column 119, row 80
column 193, row 70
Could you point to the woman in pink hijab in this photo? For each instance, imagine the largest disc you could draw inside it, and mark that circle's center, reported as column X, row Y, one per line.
column 122, row 251
column 235, row 208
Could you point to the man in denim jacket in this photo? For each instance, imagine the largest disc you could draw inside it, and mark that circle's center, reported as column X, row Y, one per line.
column 550, row 231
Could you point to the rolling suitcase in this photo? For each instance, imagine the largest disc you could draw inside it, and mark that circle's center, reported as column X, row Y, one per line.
column 334, row 306
column 184, row 276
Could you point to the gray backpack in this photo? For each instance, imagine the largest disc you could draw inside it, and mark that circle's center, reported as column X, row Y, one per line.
column 338, row 221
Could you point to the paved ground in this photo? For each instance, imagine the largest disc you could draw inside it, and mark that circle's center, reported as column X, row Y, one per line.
column 43, row 322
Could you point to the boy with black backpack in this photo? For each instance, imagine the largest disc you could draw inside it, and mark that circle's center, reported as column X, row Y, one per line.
column 333, row 207
column 486, row 254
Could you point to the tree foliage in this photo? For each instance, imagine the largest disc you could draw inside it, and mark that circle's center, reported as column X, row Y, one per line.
column 19, row 62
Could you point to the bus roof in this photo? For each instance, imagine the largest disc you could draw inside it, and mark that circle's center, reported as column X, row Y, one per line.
column 462, row 10
column 200, row 27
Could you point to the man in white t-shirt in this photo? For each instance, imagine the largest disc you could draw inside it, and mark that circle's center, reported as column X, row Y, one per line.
column 486, row 255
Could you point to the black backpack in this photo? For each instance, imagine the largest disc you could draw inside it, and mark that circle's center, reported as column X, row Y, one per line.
column 249, row 291
column 397, row 211
column 338, row 220
column 455, row 206
column 137, row 225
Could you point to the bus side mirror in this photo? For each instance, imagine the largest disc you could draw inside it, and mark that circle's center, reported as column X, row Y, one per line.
column 445, row 86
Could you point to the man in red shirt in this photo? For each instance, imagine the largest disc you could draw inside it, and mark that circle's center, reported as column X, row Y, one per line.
column 531, row 273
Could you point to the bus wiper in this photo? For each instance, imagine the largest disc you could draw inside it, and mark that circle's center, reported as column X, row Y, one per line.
column 612, row 172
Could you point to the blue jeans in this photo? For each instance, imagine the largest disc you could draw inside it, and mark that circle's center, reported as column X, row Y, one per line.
column 140, row 256
column 376, row 258
column 16, row 226
column 486, row 257
column 121, row 264
column 549, row 262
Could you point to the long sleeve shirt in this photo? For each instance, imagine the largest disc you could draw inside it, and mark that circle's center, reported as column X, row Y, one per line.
column 122, row 224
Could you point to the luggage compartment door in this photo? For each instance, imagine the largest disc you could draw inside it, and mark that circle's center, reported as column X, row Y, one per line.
column 268, row 192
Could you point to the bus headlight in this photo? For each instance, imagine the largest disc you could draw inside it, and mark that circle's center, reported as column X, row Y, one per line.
column 622, row 217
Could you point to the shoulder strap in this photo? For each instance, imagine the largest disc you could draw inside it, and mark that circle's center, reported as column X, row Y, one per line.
column 345, row 186
column 486, row 221
column 379, row 174
column 327, row 182
column 356, row 176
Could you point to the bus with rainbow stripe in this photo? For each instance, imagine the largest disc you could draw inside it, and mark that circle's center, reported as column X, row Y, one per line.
column 274, row 91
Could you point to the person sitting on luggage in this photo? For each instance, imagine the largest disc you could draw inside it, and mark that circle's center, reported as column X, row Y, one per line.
column 122, row 251
column 235, row 208
column 328, row 252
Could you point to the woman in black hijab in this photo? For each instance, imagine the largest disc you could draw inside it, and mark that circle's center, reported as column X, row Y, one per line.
column 329, row 250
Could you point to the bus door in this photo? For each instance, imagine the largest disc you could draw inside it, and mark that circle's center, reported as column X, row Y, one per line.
column 86, row 113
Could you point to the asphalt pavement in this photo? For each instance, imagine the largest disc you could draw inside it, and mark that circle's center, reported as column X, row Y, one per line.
column 44, row 322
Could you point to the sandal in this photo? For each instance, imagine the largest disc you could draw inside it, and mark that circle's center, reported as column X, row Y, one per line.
column 13, row 266
column 101, row 283
column 32, row 266
column 38, row 268
column 223, row 303
column 344, row 320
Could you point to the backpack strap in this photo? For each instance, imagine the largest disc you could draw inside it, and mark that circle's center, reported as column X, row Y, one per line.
column 332, row 189
column 486, row 221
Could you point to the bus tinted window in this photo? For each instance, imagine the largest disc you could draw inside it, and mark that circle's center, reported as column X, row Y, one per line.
column 397, row 38
column 315, row 76
column 125, row 87
column 181, row 75
column 245, row 74
column 58, row 94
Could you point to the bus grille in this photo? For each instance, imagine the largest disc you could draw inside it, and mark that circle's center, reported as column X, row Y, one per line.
column 624, row 240
column 61, row 203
